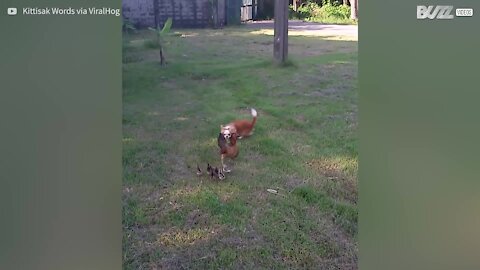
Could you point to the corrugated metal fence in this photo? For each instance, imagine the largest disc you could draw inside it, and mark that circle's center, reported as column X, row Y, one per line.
column 248, row 10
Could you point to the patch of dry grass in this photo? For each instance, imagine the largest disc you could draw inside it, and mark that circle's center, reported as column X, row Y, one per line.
column 185, row 238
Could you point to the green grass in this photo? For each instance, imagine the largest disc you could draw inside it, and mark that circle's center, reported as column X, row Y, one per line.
column 304, row 146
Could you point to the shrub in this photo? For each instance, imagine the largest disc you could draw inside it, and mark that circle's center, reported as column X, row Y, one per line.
column 328, row 12
column 303, row 12
column 335, row 12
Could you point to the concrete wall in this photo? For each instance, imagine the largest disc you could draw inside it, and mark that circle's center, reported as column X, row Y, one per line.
column 185, row 13
column 139, row 12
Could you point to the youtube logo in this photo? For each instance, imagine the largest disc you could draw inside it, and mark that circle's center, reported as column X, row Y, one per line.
column 12, row 11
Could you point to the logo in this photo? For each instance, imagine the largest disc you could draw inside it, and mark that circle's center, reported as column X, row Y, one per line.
column 434, row 12
column 12, row 11
column 464, row 12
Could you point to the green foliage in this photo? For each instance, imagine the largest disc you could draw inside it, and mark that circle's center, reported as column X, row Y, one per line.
column 166, row 27
column 335, row 11
column 310, row 9
column 158, row 41
column 153, row 43
column 328, row 12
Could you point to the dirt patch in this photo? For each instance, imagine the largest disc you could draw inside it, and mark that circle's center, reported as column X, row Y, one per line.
column 139, row 133
column 178, row 168
column 197, row 218
column 300, row 148
column 326, row 167
column 326, row 92
column 301, row 118
column 337, row 182
column 250, row 237
column 294, row 181
column 180, row 238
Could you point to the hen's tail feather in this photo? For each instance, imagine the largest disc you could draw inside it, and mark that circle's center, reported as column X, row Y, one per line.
column 254, row 115
column 254, row 112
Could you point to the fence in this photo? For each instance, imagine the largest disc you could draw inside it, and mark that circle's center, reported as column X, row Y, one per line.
column 185, row 13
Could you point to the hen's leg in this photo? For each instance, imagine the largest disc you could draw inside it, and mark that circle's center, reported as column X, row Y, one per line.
column 224, row 166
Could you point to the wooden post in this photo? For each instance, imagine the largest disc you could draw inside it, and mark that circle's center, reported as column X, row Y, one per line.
column 155, row 14
column 354, row 9
column 280, row 42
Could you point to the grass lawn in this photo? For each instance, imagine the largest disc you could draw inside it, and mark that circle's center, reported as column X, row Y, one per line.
column 304, row 146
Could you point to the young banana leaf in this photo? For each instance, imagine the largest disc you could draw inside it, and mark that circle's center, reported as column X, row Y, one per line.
column 159, row 33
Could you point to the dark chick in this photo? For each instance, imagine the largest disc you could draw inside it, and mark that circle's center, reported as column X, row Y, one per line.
column 210, row 170
column 219, row 173
column 199, row 171
column 213, row 172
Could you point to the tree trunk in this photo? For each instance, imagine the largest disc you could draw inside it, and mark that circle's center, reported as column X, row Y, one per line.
column 295, row 7
column 345, row 2
column 155, row 13
column 162, row 56
column 354, row 9
column 280, row 32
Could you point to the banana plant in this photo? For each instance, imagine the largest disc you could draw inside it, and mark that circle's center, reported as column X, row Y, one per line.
column 160, row 33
